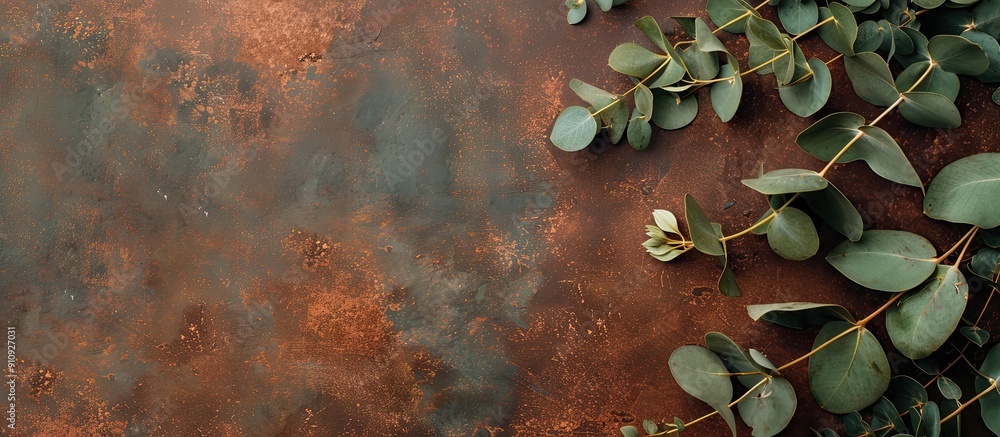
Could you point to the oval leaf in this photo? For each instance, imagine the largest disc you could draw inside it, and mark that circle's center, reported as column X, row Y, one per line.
column 799, row 315
column 807, row 98
column 967, row 191
column 930, row 110
column 840, row 33
column 958, row 55
column 702, row 233
column 849, row 374
column 788, row 180
column 885, row 260
column 574, row 129
column 634, row 60
column 726, row 94
column 924, row 319
column 768, row 408
column 836, row 210
column 792, row 234
column 871, row 78
column 701, row 374
column 671, row 112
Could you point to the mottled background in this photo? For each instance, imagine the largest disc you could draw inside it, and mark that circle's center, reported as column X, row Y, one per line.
column 305, row 217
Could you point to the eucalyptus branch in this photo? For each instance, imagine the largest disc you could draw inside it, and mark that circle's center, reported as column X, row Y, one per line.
column 990, row 389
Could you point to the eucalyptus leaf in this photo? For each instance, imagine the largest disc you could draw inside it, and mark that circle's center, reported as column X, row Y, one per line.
column 991, row 237
column 705, row 39
column 616, row 119
column 577, row 11
column 651, row 29
column 768, row 48
column 840, row 33
column 836, row 210
column 930, row 416
column 923, row 319
column 792, row 234
column 850, row 373
column 992, row 49
column 650, row 427
column 985, row 263
column 828, row 136
column 575, row 128
column 727, row 93
column 629, row 431
column 975, row 334
column 732, row 12
column 700, row 373
column 958, row 55
column 885, row 260
column 639, row 131
column 789, row 180
column 799, row 315
column 855, row 425
column 605, row 5
column 869, row 37
column 797, row 16
column 635, row 60
column 929, row 110
column 644, row 100
column 670, row 111
column 727, row 280
column 953, row 427
column 905, row 392
column 948, row 388
column 937, row 81
column 967, row 191
column 807, row 98
column 591, row 94
column 884, row 415
column 701, row 65
column 736, row 359
column 702, row 233
column 986, row 17
column 769, row 408
column 990, row 404
column 871, row 78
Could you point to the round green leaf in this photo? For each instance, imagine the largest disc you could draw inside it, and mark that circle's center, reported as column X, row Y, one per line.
column 869, row 37
column 849, row 374
column 700, row 373
column 958, row 55
column 885, row 260
column 605, row 5
column 930, row 417
column 703, row 235
column 871, row 78
column 629, row 431
column 577, row 11
column 792, row 234
column 928, row 4
column 574, row 129
column 769, row 408
column 597, row 97
column 644, row 101
column 986, row 263
column 924, row 319
column 986, row 17
column 807, row 98
column 736, row 359
column 842, row 31
column 975, row 334
column 651, row 28
column 705, row 39
column 797, row 16
column 671, row 112
column 855, row 425
column 828, row 136
column 992, row 49
column 967, row 191
column 938, row 81
column 799, row 315
column 725, row 11
column 726, row 94
column 836, row 210
column 884, row 415
column 930, row 110
column 990, row 404
column 701, row 65
column 616, row 119
column 634, row 60
column 788, row 180
column 905, row 392
column 639, row 132
column 948, row 388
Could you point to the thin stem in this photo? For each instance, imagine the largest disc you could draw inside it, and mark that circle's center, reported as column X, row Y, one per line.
column 957, row 245
column 841, row 153
column 834, row 59
column 771, row 61
column 993, row 386
column 657, row 70
column 731, row 405
column 967, row 243
column 820, row 347
column 817, row 26
column 888, row 110
column 737, row 19
column 762, row 221
column 930, row 68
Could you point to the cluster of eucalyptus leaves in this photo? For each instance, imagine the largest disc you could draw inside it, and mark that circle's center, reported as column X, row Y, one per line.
column 928, row 43
column 578, row 8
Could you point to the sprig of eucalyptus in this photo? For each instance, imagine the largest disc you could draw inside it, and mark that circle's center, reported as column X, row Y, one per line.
column 933, row 41
column 578, row 8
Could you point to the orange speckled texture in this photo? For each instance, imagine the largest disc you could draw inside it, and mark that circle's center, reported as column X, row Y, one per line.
column 229, row 218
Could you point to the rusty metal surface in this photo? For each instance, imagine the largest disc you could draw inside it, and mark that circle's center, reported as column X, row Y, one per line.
column 345, row 218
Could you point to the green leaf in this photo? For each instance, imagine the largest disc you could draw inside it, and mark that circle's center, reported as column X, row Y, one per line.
column 948, row 21
column 792, row 234
column 616, row 119
column 992, row 49
column 928, row 4
column 639, row 132
column 651, row 29
column 577, row 10
column 769, row 408
column 986, row 262
column 736, row 359
column 869, row 37
column 885, row 260
column 990, row 404
column 605, row 5
column 797, row 16
column 644, row 100
column 807, row 98
column 726, row 94
column 930, row 110
column 629, row 431
column 884, row 414
column 634, row 60
column 650, row 426
column 991, row 237
column 953, row 427
column 706, row 40
column 855, row 425
column 871, row 78
column 671, row 112
column 905, row 392
column 987, row 19
column 687, row 23
column 842, row 31
column 967, row 191
column 924, row 319
column 958, row 55
column 930, row 417
column 919, row 53
column 788, row 180
column 828, row 136
column 700, row 373
column 849, row 374
column 597, row 97
column 702, row 234
column 948, row 388
column 723, row 12
column 836, row 210
column 799, row 315
column 996, row 96
column 574, row 129
column 767, row 46
column 938, row 81
column 975, row 334
column 700, row 65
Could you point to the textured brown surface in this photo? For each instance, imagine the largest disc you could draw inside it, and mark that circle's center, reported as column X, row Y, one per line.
column 248, row 251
